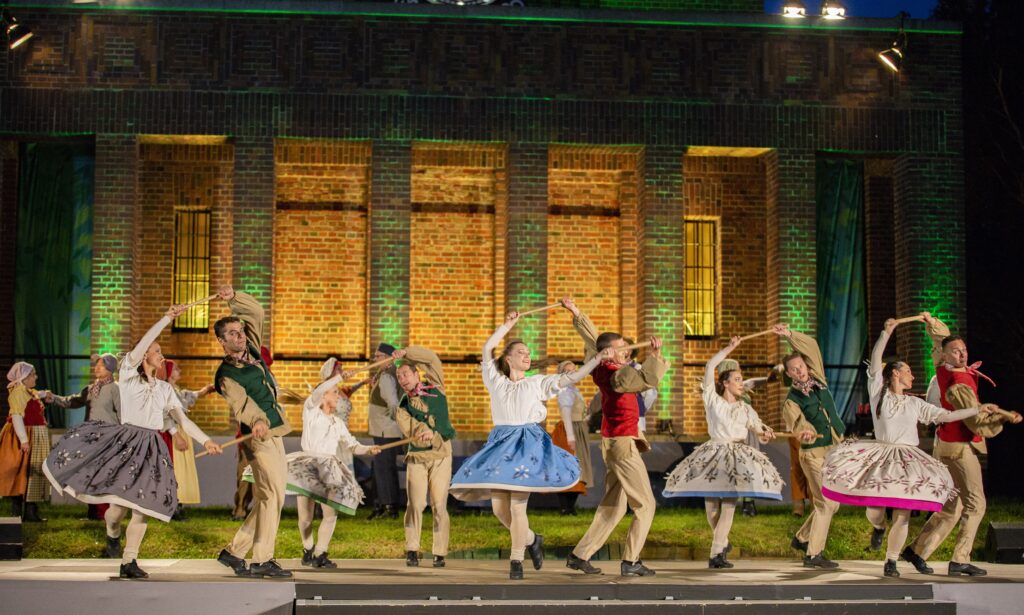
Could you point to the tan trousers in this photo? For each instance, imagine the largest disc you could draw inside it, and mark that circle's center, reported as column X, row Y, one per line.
column 968, row 508
column 510, row 508
column 797, row 480
column 243, row 493
column 259, row 530
column 427, row 480
column 326, row 531
column 625, row 482
column 814, row 531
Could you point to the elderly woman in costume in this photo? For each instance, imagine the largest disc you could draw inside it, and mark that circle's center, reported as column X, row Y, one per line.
column 892, row 471
column 24, row 443
column 725, row 468
column 519, row 457
column 127, row 465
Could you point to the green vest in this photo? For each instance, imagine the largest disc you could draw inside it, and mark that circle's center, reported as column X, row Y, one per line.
column 819, row 409
column 258, row 384
column 437, row 409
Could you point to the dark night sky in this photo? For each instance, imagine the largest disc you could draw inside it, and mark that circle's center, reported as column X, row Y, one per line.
column 918, row 9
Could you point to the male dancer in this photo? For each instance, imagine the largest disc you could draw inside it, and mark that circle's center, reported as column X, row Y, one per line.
column 626, row 480
column 809, row 410
column 423, row 414
column 384, row 429
column 245, row 382
column 959, row 445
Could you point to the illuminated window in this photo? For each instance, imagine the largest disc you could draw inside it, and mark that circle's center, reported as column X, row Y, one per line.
column 192, row 267
column 700, row 276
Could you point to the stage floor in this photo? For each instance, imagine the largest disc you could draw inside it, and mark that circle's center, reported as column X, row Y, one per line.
column 202, row 586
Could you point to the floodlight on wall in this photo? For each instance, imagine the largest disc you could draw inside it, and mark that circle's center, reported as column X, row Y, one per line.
column 794, row 9
column 16, row 33
column 833, row 9
column 892, row 58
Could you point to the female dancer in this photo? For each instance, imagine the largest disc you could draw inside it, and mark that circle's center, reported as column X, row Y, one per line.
column 519, row 457
column 25, row 443
column 892, row 471
column 724, row 468
column 128, row 465
column 317, row 475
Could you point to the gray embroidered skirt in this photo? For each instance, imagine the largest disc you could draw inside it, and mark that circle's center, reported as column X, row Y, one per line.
column 100, row 463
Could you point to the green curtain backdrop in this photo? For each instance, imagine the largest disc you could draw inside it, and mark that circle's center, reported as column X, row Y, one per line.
column 841, row 286
column 53, row 263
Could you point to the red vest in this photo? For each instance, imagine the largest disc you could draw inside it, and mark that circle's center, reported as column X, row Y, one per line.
column 620, row 412
column 955, row 431
column 33, row 413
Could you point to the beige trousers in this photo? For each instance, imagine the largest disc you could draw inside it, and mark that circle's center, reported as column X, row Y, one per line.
column 814, row 531
column 270, row 475
column 968, row 508
column 427, row 480
column 625, row 482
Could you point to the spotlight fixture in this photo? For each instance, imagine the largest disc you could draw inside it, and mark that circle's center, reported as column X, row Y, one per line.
column 892, row 58
column 17, row 34
column 833, row 9
column 462, row 2
column 794, row 9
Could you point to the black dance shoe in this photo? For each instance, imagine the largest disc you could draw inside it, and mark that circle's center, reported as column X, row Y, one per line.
column 113, row 548
column 412, row 559
column 235, row 563
column 439, row 561
column 956, row 569
column 877, row 534
column 634, row 569
column 798, row 544
column 719, row 561
column 536, row 551
column 307, row 557
column 131, row 570
column 890, row 569
column 916, row 561
column 321, row 561
column 515, row 570
column 819, row 561
column 269, row 568
column 582, row 565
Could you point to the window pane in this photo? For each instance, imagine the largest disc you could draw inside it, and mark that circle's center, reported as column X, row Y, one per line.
column 192, row 267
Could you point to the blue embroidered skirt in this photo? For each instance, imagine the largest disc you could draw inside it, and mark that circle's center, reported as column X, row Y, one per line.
column 515, row 458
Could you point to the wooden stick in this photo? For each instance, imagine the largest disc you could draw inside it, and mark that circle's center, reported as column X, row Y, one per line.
column 1005, row 413
column 197, row 302
column 790, row 434
column 540, row 309
column 634, row 346
column 907, row 319
column 374, row 365
column 394, row 444
column 227, row 444
column 753, row 335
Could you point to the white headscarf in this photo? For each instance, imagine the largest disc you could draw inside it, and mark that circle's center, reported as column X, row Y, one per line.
column 18, row 372
column 327, row 369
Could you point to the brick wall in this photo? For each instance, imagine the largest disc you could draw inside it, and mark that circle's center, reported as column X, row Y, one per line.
column 420, row 98
column 732, row 191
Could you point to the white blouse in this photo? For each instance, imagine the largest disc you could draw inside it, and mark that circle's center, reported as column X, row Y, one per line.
column 150, row 403
column 900, row 413
column 728, row 421
column 323, row 433
column 520, row 402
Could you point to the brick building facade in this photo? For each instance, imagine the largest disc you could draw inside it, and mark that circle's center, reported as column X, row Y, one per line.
column 408, row 173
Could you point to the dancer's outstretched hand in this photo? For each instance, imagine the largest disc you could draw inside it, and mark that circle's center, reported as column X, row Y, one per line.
column 734, row 342
column 890, row 325
column 766, row 436
column 398, row 354
column 214, row 449
column 174, row 311
column 807, row 436
column 570, row 305
column 375, row 450
column 511, row 318
column 225, row 292
column 781, row 329
column 260, row 430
